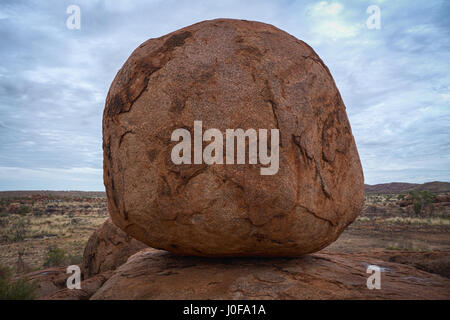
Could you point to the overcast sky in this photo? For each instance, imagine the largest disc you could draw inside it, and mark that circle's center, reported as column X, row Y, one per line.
column 395, row 81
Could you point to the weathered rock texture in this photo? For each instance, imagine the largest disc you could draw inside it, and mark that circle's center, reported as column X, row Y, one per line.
column 108, row 248
column 161, row 275
column 47, row 281
column 434, row 262
column 229, row 74
column 88, row 288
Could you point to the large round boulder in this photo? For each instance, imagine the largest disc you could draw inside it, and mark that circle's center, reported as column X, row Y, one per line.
column 229, row 74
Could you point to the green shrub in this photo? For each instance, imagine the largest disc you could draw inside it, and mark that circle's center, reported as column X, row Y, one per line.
column 55, row 257
column 417, row 207
column 75, row 259
column 38, row 212
column 22, row 210
column 3, row 222
column 422, row 200
column 19, row 229
column 20, row 289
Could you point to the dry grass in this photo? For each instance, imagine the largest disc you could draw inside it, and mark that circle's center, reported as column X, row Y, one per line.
column 69, row 233
column 435, row 221
column 431, row 221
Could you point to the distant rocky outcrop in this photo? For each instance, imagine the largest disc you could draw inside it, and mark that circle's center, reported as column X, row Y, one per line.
column 51, row 194
column 401, row 187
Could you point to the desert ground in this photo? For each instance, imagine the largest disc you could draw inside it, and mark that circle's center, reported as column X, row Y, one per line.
column 41, row 229
column 34, row 224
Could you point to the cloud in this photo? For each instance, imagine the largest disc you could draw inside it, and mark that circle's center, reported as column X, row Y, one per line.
column 77, row 178
column 53, row 81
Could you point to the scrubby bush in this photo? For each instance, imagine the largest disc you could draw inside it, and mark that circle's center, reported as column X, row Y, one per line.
column 75, row 221
column 19, row 229
column 38, row 212
column 3, row 221
column 417, row 206
column 19, row 289
column 421, row 200
column 23, row 210
column 75, row 259
column 17, row 208
column 55, row 257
